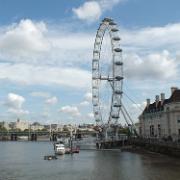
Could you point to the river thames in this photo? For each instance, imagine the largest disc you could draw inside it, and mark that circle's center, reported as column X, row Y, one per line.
column 25, row 161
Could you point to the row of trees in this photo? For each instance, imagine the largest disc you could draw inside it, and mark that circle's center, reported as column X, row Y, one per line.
column 3, row 129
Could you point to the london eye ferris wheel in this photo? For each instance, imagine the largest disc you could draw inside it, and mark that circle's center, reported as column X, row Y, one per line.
column 114, row 78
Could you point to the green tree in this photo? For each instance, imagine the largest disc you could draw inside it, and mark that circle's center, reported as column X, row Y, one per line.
column 3, row 129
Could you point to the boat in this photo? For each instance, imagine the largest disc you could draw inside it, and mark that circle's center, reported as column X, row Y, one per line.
column 59, row 148
column 71, row 151
column 67, row 151
column 75, row 150
column 50, row 157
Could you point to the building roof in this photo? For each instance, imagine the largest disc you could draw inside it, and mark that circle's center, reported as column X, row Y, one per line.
column 36, row 124
column 175, row 97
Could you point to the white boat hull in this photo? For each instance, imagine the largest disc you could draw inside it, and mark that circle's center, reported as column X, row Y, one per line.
column 59, row 149
column 60, row 152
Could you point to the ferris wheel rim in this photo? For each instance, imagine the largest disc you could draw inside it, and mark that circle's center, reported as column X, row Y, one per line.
column 117, row 78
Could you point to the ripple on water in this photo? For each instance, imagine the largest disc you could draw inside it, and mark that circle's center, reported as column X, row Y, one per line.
column 24, row 161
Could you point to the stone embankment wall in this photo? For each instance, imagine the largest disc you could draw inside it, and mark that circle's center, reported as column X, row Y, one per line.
column 4, row 138
column 169, row 148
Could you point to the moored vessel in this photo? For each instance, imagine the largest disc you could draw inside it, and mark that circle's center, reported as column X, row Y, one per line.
column 59, row 148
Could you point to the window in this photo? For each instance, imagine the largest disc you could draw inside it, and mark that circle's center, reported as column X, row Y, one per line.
column 151, row 130
column 140, row 130
column 178, row 119
column 159, row 130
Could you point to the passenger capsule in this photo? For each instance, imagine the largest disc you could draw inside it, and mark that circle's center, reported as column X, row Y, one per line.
column 112, row 23
column 118, row 63
column 119, row 78
column 118, row 50
column 117, row 105
column 115, row 117
column 116, row 38
column 107, row 19
column 114, row 30
column 95, row 51
column 118, row 92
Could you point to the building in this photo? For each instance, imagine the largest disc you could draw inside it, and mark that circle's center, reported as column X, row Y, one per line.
column 36, row 126
column 54, row 127
column 22, row 125
column 161, row 119
column 4, row 125
column 12, row 125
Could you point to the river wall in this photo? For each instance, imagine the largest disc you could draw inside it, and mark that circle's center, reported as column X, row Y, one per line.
column 168, row 148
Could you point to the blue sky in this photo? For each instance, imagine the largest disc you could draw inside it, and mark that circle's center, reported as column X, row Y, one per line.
column 46, row 51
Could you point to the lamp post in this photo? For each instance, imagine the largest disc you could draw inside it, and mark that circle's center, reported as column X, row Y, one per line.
column 50, row 135
column 71, row 139
column 29, row 131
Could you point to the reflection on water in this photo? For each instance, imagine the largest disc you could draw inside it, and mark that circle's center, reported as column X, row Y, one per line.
column 24, row 161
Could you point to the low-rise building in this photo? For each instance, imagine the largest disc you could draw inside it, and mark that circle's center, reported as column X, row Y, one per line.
column 4, row 125
column 36, row 126
column 22, row 125
column 54, row 127
column 161, row 119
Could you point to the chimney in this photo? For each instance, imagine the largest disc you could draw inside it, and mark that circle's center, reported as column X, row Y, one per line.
column 162, row 98
column 157, row 100
column 173, row 89
column 148, row 102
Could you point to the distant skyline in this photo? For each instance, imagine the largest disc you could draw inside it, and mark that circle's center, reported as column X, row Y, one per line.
column 46, row 53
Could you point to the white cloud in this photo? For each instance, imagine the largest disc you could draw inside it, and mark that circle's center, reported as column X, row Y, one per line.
column 89, row 11
column 45, row 75
column 37, row 43
column 140, row 106
column 108, row 4
column 51, row 101
column 30, row 52
column 88, row 96
column 45, row 114
column 135, row 110
column 84, row 103
column 90, row 115
column 18, row 112
column 40, row 94
column 159, row 66
column 87, row 99
column 92, row 10
column 24, row 39
column 62, row 54
column 14, row 103
column 70, row 110
column 151, row 38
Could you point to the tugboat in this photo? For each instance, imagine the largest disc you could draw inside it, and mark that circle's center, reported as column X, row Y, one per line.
column 59, row 148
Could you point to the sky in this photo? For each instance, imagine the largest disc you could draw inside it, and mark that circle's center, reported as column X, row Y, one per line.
column 46, row 54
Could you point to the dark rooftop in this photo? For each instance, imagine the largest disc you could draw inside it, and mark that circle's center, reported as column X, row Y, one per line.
column 175, row 97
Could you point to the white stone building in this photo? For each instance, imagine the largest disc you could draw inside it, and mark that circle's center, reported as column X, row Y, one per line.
column 161, row 119
column 22, row 125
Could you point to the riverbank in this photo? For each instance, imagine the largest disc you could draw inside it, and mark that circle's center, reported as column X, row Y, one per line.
column 161, row 148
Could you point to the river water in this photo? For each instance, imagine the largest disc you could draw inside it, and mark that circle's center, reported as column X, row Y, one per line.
column 25, row 161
